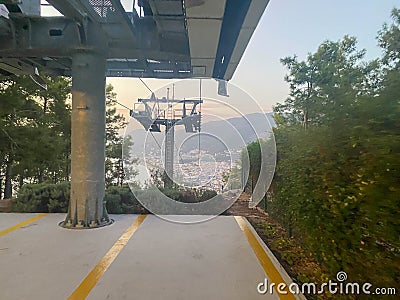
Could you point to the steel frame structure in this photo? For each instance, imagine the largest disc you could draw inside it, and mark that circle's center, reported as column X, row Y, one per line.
column 98, row 38
column 152, row 118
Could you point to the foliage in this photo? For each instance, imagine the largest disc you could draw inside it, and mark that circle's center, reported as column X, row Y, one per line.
column 117, row 148
column 35, row 134
column 47, row 197
column 326, row 81
column 252, row 157
column 337, row 186
column 43, row 197
column 34, row 131
column 204, row 195
column 189, row 195
column 120, row 200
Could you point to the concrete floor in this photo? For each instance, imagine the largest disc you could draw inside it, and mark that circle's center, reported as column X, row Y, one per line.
column 162, row 260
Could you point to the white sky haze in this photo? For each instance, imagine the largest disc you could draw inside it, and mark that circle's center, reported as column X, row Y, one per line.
column 288, row 27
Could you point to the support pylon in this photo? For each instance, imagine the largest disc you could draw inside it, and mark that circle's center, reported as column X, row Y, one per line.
column 88, row 119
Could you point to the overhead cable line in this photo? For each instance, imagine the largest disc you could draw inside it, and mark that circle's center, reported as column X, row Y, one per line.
column 146, row 85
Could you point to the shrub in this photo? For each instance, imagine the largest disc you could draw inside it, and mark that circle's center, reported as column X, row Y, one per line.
column 47, row 197
column 204, row 195
column 120, row 200
column 113, row 203
column 44, row 197
column 189, row 196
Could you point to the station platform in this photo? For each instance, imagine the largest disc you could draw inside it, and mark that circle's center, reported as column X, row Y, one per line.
column 137, row 257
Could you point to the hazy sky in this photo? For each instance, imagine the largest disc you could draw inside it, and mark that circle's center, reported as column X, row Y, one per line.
column 289, row 27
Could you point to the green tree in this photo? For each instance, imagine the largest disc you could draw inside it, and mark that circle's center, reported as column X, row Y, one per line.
column 336, row 185
column 34, row 124
column 388, row 39
column 327, row 80
column 118, row 156
column 252, row 159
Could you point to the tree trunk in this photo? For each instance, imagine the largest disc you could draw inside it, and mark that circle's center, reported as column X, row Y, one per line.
column 40, row 175
column 8, row 181
column 21, row 180
column 44, row 105
column 309, row 94
column 122, row 172
column 305, row 120
column 66, row 175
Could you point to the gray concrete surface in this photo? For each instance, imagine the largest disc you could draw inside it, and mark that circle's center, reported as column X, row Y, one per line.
column 162, row 260
column 9, row 220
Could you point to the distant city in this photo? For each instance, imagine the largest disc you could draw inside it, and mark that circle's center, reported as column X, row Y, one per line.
column 200, row 161
column 194, row 169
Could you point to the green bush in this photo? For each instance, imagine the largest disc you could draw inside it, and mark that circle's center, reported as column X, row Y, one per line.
column 189, row 196
column 204, row 195
column 113, row 203
column 336, row 186
column 44, row 197
column 47, row 197
column 338, row 193
column 172, row 193
column 120, row 200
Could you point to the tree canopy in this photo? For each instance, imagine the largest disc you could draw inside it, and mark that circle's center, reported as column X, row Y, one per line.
column 337, row 181
column 35, row 133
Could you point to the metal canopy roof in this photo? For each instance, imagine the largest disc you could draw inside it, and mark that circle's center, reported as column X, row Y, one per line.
column 158, row 39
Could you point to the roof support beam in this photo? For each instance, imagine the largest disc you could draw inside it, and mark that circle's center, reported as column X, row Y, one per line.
column 33, row 37
column 70, row 9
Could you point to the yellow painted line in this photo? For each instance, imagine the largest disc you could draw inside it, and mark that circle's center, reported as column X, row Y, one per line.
column 265, row 261
column 22, row 224
column 93, row 277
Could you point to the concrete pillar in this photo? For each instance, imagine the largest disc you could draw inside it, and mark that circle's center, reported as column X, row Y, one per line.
column 169, row 154
column 86, row 206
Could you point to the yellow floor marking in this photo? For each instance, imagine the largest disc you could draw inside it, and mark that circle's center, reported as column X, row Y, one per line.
column 22, row 224
column 269, row 268
column 93, row 277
